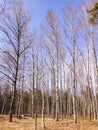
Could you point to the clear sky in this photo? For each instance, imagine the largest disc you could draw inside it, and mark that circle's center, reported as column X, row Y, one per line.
column 40, row 7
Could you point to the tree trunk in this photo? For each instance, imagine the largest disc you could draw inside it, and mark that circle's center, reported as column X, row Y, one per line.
column 43, row 109
column 35, row 121
column 33, row 86
column 12, row 105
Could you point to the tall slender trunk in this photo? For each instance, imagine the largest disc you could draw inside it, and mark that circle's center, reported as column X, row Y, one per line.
column 96, row 70
column 57, row 80
column 13, row 95
column 61, row 94
column 74, row 77
column 15, row 80
column 36, row 94
column 12, row 103
column 19, row 105
column 48, row 112
column 33, row 89
column 43, row 111
column 54, row 90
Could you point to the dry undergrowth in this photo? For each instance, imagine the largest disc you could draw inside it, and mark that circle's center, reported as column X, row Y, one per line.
column 28, row 124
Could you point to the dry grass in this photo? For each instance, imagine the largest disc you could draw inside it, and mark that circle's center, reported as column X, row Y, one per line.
column 28, row 124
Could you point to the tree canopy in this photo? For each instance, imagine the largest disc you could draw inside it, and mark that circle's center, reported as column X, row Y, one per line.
column 93, row 14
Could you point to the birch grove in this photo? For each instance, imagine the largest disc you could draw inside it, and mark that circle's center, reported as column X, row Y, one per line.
column 54, row 71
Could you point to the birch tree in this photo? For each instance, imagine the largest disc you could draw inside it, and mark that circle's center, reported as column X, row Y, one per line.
column 14, row 28
column 70, row 20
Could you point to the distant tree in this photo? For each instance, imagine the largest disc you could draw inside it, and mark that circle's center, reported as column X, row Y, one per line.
column 94, row 14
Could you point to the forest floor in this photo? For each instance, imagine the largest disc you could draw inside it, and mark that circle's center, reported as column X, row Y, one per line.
column 65, row 124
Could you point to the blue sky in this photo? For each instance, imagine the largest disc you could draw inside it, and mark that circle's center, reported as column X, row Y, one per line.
column 40, row 7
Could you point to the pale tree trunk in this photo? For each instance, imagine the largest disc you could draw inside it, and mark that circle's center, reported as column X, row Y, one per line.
column 74, row 75
column 96, row 71
column 23, row 84
column 53, row 93
column 19, row 103
column 33, row 102
column 57, row 83
column 70, row 19
column 48, row 109
column 36, row 93
column 35, row 123
column 74, row 85
column 14, row 92
column 90, row 96
column 43, row 111
column 12, row 103
column 21, row 96
column 61, row 93
column 48, row 97
column 33, row 87
column 88, row 80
